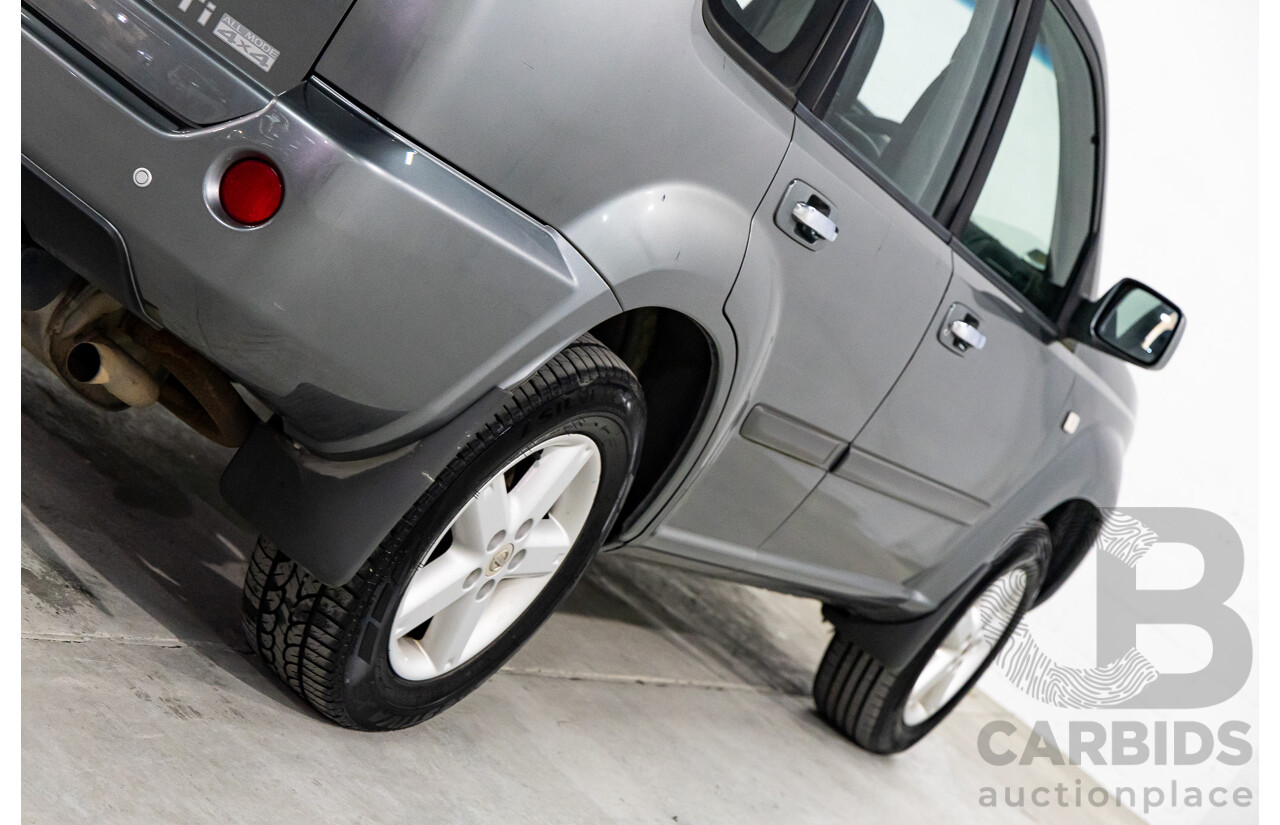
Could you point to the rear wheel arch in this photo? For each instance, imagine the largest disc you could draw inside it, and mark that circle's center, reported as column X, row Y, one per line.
column 678, row 365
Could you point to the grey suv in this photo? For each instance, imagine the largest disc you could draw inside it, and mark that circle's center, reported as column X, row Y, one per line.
column 800, row 293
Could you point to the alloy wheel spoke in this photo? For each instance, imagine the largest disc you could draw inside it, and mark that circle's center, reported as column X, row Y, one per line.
column 500, row 550
column 933, row 670
column 446, row 638
column 933, row 694
column 433, row 588
column 485, row 516
column 547, row 480
column 543, row 550
column 970, row 625
column 975, row 656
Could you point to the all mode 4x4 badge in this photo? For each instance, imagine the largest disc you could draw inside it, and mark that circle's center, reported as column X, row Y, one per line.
column 239, row 37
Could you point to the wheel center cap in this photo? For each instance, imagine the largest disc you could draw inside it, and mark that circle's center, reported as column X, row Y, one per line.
column 499, row 559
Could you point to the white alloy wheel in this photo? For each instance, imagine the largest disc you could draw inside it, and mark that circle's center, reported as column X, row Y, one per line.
column 492, row 543
column 966, row 647
column 495, row 557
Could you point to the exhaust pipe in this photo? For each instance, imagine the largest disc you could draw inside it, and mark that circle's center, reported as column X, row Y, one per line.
column 98, row 362
column 111, row 358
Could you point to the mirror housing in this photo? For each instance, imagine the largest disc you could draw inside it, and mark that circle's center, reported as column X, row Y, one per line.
column 1132, row 322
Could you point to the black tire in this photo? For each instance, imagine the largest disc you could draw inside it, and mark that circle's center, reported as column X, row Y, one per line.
column 866, row 702
column 330, row 644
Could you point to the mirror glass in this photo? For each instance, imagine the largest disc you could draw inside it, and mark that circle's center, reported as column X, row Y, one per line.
column 1139, row 324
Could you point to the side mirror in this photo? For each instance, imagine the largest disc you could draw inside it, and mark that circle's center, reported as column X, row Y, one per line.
column 1132, row 322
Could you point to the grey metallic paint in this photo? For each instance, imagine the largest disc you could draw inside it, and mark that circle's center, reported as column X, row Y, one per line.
column 678, row 146
column 634, row 164
column 886, row 477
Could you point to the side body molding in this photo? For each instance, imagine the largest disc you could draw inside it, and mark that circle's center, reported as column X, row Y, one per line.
column 1088, row 469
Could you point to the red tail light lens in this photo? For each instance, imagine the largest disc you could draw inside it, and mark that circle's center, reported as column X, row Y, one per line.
column 251, row 191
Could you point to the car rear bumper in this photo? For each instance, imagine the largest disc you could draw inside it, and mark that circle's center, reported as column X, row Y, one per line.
column 389, row 292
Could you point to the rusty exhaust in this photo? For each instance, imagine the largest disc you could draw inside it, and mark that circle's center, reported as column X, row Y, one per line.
column 196, row 391
column 97, row 361
column 113, row 360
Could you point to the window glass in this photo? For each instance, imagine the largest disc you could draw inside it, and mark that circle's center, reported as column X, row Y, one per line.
column 1034, row 214
column 773, row 23
column 911, row 89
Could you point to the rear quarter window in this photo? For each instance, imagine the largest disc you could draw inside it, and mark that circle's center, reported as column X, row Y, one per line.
column 777, row 37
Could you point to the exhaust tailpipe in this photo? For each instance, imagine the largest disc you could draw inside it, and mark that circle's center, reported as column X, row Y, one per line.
column 99, row 362
column 114, row 359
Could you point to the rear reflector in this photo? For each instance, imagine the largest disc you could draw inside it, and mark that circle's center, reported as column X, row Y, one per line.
column 251, row 191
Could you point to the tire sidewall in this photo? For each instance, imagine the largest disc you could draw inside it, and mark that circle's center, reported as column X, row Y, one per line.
column 612, row 417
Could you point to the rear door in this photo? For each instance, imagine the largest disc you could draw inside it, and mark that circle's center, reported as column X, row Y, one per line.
column 846, row 264
column 983, row 404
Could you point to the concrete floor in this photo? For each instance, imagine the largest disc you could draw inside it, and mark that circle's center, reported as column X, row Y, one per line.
column 651, row 696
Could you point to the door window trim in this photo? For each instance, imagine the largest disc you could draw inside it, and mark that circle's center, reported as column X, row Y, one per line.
column 819, row 86
column 824, row 130
column 1084, row 273
column 783, row 72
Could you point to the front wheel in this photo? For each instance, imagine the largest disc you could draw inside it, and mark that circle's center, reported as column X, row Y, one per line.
column 474, row 567
column 887, row 712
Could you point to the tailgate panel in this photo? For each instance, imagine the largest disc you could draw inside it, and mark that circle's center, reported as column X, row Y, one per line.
column 275, row 43
column 205, row 61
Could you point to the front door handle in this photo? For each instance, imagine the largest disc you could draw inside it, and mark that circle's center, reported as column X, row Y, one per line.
column 819, row 226
column 968, row 333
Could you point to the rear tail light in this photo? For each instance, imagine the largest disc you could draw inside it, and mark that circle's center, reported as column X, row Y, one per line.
column 251, row 191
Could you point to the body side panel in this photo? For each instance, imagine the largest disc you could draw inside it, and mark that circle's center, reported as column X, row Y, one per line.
column 627, row 129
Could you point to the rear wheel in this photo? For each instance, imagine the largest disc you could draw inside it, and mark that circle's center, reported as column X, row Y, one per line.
column 887, row 712
column 475, row 566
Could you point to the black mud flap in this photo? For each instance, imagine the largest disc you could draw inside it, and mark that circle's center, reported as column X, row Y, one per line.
column 895, row 644
column 329, row 516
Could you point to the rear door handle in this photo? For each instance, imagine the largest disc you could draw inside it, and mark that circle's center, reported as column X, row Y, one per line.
column 969, row 334
column 807, row 216
column 817, row 223
column 959, row 331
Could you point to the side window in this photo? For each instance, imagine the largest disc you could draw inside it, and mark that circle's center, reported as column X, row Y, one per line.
column 779, row 35
column 1035, row 211
column 908, row 96
column 773, row 24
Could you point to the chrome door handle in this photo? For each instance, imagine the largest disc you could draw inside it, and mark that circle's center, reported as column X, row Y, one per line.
column 968, row 333
column 819, row 224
